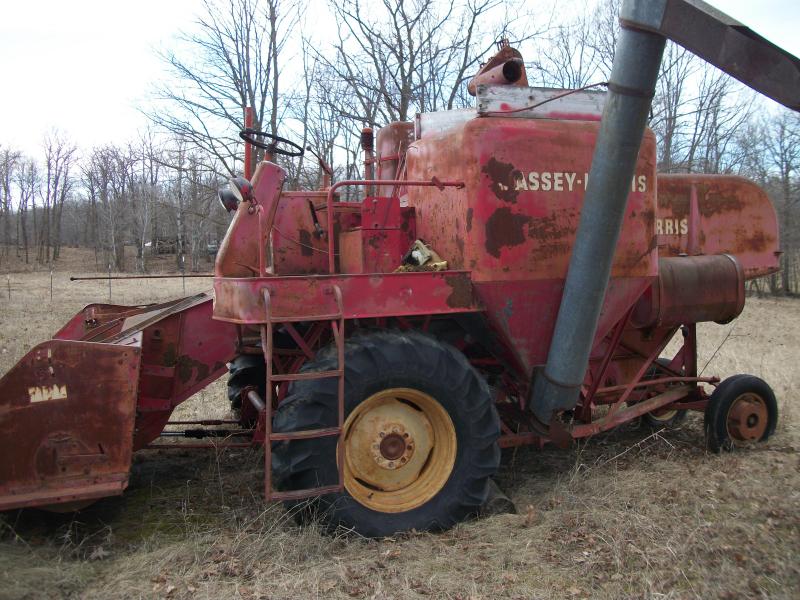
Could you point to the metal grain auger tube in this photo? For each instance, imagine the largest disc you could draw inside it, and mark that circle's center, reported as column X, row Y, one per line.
column 646, row 25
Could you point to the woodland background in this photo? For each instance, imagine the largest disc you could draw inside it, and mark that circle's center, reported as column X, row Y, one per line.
column 129, row 201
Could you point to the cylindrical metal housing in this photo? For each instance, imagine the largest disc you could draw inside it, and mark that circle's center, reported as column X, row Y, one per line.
column 692, row 289
column 392, row 141
column 507, row 73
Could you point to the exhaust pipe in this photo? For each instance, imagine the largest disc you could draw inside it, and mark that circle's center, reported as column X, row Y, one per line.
column 511, row 72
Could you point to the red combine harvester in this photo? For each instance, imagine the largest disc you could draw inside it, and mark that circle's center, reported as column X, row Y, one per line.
column 512, row 276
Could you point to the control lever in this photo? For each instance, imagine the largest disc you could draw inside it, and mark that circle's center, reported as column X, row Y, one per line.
column 326, row 169
column 318, row 231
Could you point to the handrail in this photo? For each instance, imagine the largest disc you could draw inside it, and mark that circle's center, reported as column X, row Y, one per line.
column 366, row 182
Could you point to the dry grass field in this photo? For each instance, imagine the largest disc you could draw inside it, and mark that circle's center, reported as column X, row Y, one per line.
column 625, row 515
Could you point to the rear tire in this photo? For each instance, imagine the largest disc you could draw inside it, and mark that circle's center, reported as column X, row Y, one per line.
column 409, row 389
column 663, row 418
column 741, row 410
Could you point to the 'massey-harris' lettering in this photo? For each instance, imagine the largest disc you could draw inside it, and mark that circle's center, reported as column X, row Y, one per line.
column 672, row 226
column 563, row 181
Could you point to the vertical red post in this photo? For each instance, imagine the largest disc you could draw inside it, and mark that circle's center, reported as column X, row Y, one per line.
column 368, row 145
column 693, row 241
column 248, row 149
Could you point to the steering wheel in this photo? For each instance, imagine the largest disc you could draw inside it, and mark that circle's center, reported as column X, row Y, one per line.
column 249, row 135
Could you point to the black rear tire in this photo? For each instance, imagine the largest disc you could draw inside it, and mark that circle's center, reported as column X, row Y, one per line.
column 377, row 362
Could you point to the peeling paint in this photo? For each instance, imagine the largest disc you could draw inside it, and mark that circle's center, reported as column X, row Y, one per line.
column 504, row 228
column 305, row 241
column 187, row 365
column 503, row 179
column 461, row 294
column 45, row 393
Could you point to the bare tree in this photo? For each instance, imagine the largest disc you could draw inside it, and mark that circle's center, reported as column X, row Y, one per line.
column 569, row 56
column 782, row 146
column 400, row 57
column 9, row 160
column 59, row 158
column 229, row 62
column 108, row 180
column 27, row 183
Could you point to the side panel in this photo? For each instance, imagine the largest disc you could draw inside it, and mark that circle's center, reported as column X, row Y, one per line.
column 527, row 311
column 67, row 413
column 718, row 214
column 514, row 224
column 295, row 249
column 363, row 296
column 181, row 354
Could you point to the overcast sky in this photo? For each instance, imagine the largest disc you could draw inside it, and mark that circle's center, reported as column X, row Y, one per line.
column 86, row 66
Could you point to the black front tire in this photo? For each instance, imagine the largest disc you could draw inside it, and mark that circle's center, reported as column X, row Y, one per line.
column 720, row 434
column 246, row 371
column 375, row 362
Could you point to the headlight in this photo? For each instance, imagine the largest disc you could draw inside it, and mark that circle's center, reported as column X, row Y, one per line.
column 238, row 190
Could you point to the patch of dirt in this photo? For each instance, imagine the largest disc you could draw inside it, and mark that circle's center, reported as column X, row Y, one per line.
column 625, row 515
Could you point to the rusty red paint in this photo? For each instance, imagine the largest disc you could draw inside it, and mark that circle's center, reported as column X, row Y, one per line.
column 500, row 196
column 693, row 289
column 66, row 434
column 718, row 214
column 365, row 295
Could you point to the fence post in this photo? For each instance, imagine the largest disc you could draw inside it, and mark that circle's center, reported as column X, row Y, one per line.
column 51, row 282
column 109, row 282
column 8, row 281
column 183, row 272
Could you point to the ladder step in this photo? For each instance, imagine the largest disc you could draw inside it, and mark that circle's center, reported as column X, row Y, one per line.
column 300, row 494
column 304, row 435
column 298, row 318
column 307, row 376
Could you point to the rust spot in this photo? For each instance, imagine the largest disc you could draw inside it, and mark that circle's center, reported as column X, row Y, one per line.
column 504, row 228
column 550, row 250
column 170, row 356
column 504, row 177
column 757, row 242
column 631, row 257
column 461, row 294
column 187, row 365
column 713, row 204
column 548, row 228
column 469, row 219
column 376, row 240
column 305, row 240
column 648, row 215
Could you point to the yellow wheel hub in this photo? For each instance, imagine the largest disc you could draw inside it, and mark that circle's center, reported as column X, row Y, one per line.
column 663, row 415
column 400, row 448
